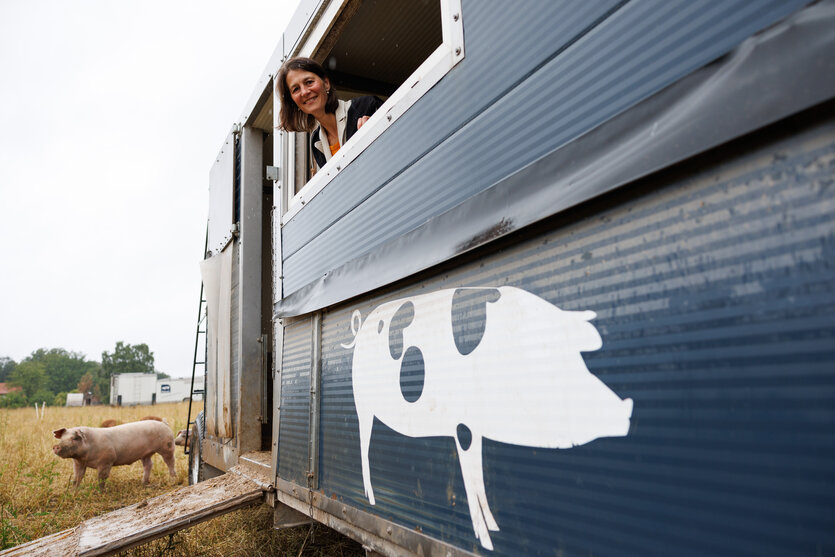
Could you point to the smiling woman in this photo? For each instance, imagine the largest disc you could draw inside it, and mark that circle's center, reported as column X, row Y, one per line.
column 309, row 104
column 372, row 56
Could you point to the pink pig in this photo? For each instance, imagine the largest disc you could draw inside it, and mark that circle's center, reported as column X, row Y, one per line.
column 103, row 448
column 183, row 441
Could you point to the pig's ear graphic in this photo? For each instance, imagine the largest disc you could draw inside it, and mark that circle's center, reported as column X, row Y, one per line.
column 59, row 432
column 356, row 322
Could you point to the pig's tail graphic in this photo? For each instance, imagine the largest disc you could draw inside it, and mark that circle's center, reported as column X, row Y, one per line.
column 356, row 321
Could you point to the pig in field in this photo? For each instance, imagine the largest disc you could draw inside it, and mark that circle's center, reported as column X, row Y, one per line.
column 111, row 422
column 182, row 441
column 103, row 448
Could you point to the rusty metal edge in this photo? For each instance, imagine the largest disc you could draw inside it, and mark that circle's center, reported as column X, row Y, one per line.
column 374, row 532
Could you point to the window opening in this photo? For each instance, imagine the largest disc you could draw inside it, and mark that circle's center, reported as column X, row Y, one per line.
column 393, row 50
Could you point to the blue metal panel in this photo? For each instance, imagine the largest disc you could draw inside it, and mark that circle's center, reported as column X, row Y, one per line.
column 294, row 415
column 492, row 41
column 634, row 52
column 714, row 289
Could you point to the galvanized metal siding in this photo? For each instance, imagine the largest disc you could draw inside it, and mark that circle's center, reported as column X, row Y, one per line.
column 295, row 401
column 480, row 126
column 714, row 289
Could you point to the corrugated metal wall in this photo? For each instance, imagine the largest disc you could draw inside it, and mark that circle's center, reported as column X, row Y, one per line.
column 714, row 289
column 294, row 418
column 558, row 69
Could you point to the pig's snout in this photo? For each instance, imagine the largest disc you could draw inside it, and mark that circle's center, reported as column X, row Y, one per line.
column 626, row 405
column 622, row 414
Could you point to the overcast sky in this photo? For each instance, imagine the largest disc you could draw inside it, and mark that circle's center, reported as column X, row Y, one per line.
column 111, row 114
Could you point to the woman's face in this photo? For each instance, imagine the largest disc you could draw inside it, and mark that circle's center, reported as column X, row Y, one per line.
column 308, row 91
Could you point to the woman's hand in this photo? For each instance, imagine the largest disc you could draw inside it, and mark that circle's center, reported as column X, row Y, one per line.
column 362, row 121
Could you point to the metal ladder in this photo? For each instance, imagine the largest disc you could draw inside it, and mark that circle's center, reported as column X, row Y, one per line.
column 201, row 321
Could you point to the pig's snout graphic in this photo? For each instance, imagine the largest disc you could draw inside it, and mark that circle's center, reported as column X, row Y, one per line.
column 474, row 363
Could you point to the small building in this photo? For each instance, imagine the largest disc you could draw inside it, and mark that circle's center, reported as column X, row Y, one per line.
column 5, row 389
column 75, row 399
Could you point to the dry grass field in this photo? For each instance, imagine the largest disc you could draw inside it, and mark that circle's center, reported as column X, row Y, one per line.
column 37, row 498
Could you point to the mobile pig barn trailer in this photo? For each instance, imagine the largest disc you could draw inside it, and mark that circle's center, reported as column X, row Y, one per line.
column 569, row 291
column 178, row 389
column 129, row 389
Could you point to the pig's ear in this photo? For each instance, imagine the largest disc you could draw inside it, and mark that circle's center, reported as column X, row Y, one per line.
column 59, row 432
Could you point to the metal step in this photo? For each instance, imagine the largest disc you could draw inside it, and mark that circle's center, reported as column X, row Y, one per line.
column 153, row 518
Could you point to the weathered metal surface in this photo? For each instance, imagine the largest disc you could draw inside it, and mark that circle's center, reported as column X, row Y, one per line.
column 692, row 116
column 230, row 410
column 221, row 183
column 295, row 400
column 607, row 61
column 376, row 534
column 250, row 387
column 714, row 294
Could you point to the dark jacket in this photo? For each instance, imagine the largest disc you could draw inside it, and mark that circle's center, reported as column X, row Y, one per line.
column 357, row 108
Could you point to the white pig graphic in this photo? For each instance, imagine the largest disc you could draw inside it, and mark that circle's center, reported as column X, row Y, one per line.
column 471, row 363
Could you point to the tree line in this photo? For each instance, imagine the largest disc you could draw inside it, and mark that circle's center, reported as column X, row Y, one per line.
column 47, row 375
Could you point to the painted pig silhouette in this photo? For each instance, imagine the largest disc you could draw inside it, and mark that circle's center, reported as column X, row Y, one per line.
column 471, row 363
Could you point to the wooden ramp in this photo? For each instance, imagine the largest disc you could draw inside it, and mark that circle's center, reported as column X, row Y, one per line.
column 153, row 518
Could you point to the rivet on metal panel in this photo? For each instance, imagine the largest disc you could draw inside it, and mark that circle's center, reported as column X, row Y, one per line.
column 388, row 117
column 455, row 17
column 457, row 51
column 388, row 530
column 344, row 510
column 338, row 168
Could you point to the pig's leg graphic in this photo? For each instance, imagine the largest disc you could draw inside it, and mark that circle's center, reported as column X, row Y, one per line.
column 469, row 455
column 366, row 421
column 146, row 464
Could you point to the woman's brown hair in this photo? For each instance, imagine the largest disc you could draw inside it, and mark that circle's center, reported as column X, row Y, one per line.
column 292, row 119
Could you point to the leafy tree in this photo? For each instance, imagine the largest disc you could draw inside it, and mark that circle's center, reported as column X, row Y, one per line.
column 43, row 395
column 60, row 399
column 63, row 368
column 14, row 399
column 30, row 376
column 94, row 382
column 127, row 358
column 6, row 367
column 86, row 383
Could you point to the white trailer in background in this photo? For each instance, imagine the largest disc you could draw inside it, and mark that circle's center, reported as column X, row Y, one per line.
column 75, row 399
column 129, row 389
column 177, row 389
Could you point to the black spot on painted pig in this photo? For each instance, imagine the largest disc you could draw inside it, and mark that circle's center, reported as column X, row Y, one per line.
column 465, row 436
column 401, row 319
column 412, row 374
column 469, row 316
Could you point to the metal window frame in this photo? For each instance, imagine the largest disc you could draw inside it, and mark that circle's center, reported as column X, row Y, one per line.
column 438, row 64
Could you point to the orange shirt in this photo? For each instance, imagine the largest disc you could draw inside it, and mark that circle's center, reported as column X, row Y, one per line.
column 334, row 149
